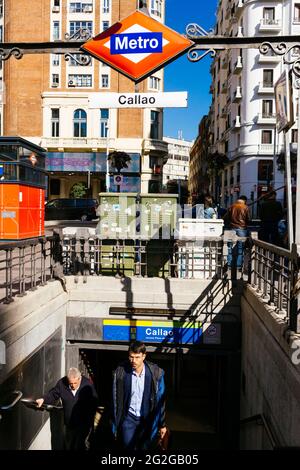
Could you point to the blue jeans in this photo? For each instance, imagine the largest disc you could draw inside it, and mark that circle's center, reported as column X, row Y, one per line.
column 235, row 257
column 131, row 431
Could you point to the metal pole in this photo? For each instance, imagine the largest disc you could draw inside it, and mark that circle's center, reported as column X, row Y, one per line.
column 297, row 216
column 289, row 188
column 107, row 180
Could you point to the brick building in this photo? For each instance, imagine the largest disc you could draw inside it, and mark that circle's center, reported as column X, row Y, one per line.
column 47, row 98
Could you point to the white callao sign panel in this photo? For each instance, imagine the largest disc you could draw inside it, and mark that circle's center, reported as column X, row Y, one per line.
column 138, row 100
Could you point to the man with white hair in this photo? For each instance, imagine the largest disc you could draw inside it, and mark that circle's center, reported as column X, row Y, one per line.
column 79, row 400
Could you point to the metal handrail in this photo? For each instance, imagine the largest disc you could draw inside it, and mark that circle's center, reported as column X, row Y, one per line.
column 260, row 419
column 14, row 402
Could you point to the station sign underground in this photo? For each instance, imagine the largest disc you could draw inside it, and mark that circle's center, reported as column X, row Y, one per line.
column 178, row 332
column 137, row 46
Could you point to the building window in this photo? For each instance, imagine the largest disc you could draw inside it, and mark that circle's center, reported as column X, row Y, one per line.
column 82, row 81
column 55, row 60
column 266, row 137
column 156, row 7
column 154, row 129
column 80, row 123
column 77, row 25
column 265, row 170
column 55, row 80
column 56, row 3
column 78, row 7
column 55, row 122
column 105, row 6
column 267, row 108
column 154, row 83
column 55, row 30
column 297, row 13
column 104, row 116
column 268, row 77
column 104, row 81
column 105, row 25
column 269, row 15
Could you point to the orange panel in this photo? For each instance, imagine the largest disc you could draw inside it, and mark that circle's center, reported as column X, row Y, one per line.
column 21, row 212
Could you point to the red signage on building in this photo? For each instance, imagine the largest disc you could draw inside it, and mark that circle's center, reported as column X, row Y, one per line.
column 137, row 46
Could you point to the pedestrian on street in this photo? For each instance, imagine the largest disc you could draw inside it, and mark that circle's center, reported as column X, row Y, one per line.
column 270, row 212
column 79, row 401
column 237, row 219
column 138, row 401
column 210, row 211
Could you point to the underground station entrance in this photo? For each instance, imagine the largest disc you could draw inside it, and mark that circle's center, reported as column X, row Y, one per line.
column 202, row 392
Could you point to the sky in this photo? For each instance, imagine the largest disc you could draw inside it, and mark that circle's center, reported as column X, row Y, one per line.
column 183, row 75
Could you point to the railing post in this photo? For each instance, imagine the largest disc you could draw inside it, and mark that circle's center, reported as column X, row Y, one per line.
column 8, row 276
column 22, row 281
column 294, row 294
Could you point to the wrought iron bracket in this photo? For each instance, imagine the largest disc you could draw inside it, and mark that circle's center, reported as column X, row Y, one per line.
column 204, row 43
column 207, row 43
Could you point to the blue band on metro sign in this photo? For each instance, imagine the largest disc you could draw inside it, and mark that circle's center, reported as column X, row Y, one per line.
column 153, row 331
column 136, row 43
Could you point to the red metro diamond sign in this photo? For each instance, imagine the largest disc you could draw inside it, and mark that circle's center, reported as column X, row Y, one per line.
column 137, row 46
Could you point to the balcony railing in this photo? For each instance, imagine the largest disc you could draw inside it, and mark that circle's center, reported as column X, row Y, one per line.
column 266, row 118
column 269, row 24
column 262, row 58
column 155, row 145
column 76, row 142
column 238, row 65
column 237, row 95
column 266, row 87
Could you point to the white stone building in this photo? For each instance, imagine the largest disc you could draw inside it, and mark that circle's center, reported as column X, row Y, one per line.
column 243, row 107
column 177, row 166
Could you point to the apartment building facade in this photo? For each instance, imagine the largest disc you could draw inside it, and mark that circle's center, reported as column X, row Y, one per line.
column 199, row 173
column 48, row 98
column 177, row 165
column 243, row 119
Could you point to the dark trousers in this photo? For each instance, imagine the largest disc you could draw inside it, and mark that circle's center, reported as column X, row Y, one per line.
column 75, row 438
column 132, row 432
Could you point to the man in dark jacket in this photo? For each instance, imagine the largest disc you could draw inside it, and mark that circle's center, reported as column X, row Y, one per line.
column 138, row 401
column 270, row 212
column 79, row 400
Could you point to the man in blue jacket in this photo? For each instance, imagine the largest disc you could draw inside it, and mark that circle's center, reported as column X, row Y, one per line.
column 79, row 400
column 138, row 401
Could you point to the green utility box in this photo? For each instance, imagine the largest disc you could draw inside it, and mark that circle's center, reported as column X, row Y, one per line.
column 158, row 222
column 129, row 220
column 117, row 214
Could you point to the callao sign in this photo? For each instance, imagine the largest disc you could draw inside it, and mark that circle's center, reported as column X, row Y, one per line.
column 138, row 100
column 137, row 46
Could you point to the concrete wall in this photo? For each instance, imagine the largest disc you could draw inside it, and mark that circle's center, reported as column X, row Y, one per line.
column 28, row 321
column 270, row 376
column 94, row 297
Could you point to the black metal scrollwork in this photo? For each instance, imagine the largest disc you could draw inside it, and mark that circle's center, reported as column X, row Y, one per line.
column 5, row 54
column 194, row 31
column 282, row 49
column 80, row 59
column 79, row 35
column 194, row 54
